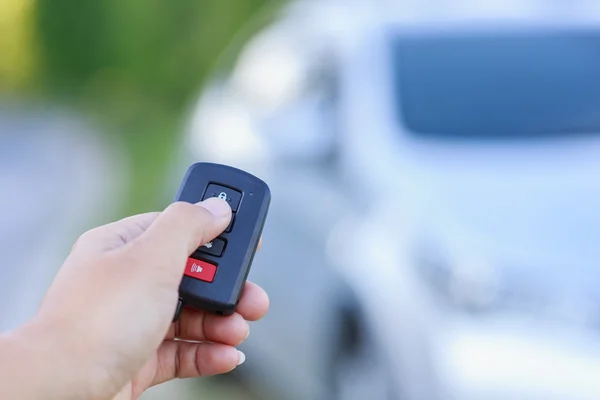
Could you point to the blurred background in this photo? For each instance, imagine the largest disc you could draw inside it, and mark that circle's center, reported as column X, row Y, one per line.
column 435, row 170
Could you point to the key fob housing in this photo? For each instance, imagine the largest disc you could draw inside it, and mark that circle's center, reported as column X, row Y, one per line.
column 216, row 272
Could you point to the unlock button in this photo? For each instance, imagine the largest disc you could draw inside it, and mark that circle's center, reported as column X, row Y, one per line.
column 215, row 247
column 231, row 196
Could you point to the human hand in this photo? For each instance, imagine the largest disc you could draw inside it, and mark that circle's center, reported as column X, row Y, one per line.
column 108, row 314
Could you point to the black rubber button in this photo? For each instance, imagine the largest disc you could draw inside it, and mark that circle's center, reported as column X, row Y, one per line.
column 215, row 247
column 231, row 196
column 230, row 226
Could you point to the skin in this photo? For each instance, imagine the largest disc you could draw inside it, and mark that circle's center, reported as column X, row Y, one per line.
column 104, row 329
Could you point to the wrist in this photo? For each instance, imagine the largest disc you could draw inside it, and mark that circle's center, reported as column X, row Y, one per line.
column 34, row 365
column 20, row 367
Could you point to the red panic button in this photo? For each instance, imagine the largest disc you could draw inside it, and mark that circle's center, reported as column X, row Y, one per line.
column 200, row 270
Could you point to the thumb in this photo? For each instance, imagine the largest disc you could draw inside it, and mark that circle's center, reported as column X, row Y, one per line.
column 180, row 229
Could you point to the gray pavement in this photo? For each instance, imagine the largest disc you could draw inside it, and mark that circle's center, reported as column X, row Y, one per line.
column 57, row 179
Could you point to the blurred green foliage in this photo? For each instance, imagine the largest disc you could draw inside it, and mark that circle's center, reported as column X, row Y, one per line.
column 154, row 49
column 136, row 65
column 17, row 53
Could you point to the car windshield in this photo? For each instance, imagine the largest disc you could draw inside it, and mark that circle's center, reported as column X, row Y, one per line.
column 518, row 85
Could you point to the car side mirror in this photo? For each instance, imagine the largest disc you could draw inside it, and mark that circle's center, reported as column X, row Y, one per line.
column 303, row 130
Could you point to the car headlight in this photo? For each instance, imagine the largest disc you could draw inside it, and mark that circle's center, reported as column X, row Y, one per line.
column 474, row 283
column 462, row 277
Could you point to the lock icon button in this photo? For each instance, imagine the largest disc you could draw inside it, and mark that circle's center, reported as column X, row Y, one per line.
column 230, row 195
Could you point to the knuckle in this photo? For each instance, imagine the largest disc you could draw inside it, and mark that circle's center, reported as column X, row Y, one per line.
column 88, row 235
column 202, row 216
column 186, row 212
column 180, row 209
column 193, row 221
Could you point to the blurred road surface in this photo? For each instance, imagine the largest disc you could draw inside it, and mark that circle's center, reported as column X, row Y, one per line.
column 58, row 179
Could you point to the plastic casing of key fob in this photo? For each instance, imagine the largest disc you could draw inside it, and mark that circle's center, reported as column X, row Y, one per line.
column 222, row 295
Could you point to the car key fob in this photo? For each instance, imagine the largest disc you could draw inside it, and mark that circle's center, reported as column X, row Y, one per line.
column 216, row 272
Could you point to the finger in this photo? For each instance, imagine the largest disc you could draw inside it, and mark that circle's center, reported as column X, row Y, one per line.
column 178, row 359
column 200, row 326
column 114, row 234
column 254, row 302
column 182, row 227
column 259, row 244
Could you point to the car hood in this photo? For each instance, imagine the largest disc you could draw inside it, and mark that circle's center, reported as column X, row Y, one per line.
column 539, row 219
column 559, row 226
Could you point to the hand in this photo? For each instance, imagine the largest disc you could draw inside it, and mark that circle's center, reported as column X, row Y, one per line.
column 108, row 314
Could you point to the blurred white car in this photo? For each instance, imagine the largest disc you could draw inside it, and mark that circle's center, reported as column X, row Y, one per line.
column 435, row 231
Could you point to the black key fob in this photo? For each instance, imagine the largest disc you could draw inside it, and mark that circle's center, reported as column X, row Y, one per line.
column 216, row 272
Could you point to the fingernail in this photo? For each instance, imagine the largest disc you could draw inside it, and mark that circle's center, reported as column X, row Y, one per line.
column 217, row 207
column 242, row 358
column 247, row 334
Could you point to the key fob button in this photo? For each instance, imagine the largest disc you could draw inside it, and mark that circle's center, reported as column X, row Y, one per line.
column 232, row 196
column 199, row 269
column 215, row 247
column 230, row 226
